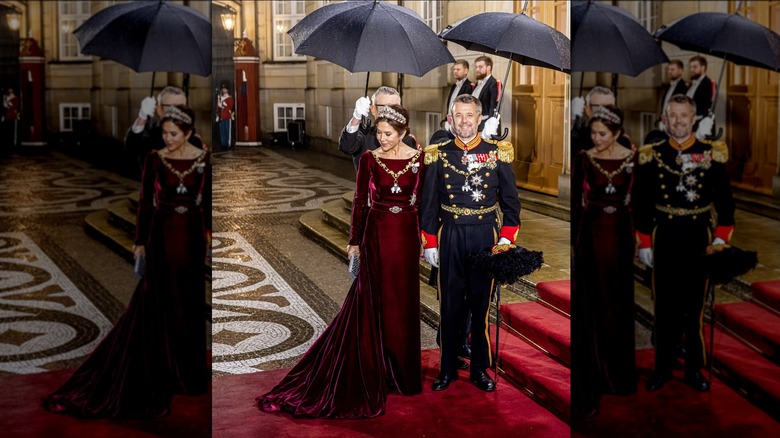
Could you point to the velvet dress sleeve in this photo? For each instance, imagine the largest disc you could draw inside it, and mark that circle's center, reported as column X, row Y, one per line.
column 360, row 201
column 146, row 200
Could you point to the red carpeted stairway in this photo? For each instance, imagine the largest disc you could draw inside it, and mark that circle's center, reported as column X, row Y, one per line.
column 535, row 342
column 747, row 346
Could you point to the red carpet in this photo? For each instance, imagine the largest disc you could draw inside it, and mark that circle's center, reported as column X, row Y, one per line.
column 678, row 411
column 754, row 324
column 556, row 294
column 767, row 293
column 458, row 412
column 548, row 329
column 23, row 416
column 547, row 379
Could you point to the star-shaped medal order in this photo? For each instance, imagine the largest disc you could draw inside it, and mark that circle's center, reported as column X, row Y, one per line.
column 691, row 195
column 476, row 195
column 476, row 180
column 691, row 180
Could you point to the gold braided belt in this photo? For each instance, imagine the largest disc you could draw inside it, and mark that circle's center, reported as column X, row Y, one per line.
column 468, row 211
column 679, row 211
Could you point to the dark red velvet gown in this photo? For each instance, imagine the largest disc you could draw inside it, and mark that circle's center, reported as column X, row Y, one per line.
column 158, row 346
column 603, row 356
column 372, row 346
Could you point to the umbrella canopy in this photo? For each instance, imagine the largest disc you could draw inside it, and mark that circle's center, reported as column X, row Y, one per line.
column 607, row 38
column 728, row 36
column 370, row 36
column 149, row 36
column 515, row 36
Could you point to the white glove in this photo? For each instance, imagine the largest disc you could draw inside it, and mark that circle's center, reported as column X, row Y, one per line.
column 362, row 107
column 646, row 256
column 503, row 241
column 705, row 127
column 718, row 241
column 491, row 127
column 432, row 256
column 577, row 107
column 148, row 107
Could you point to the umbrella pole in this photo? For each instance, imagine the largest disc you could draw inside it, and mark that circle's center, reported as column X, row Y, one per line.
column 151, row 90
column 364, row 122
column 711, row 295
column 401, row 87
column 500, row 98
column 497, row 289
column 715, row 100
column 582, row 82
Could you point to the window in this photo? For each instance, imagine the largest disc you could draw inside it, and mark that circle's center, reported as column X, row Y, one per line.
column 647, row 14
column 287, row 112
column 286, row 15
column 70, row 112
column 71, row 15
column 432, row 13
column 432, row 124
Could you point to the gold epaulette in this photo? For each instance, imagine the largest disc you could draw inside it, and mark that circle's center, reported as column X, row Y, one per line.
column 646, row 152
column 432, row 152
column 720, row 152
column 506, row 152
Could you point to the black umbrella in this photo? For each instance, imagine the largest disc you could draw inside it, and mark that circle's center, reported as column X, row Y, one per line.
column 728, row 36
column 607, row 38
column 515, row 36
column 366, row 36
column 150, row 36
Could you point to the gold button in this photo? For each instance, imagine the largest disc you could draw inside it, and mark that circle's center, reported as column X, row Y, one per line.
column 663, row 186
column 483, row 196
column 666, row 196
column 481, row 207
column 694, row 217
column 701, row 173
column 443, row 154
column 454, row 206
column 660, row 175
column 670, row 216
column 700, row 186
column 479, row 217
column 485, row 186
column 669, row 205
column 487, row 173
column 455, row 216
column 452, row 196
column 449, row 186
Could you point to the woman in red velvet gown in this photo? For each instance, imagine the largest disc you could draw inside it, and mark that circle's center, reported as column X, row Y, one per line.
column 372, row 346
column 603, row 356
column 158, row 346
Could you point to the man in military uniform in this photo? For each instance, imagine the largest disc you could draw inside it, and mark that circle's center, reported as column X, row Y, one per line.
column 681, row 189
column 467, row 180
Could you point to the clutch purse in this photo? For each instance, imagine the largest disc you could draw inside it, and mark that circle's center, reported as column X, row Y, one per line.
column 354, row 266
column 140, row 266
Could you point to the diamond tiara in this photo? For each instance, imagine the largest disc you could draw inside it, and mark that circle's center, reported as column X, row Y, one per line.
column 388, row 113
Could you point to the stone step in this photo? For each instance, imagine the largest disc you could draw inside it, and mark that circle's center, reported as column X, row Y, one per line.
column 337, row 216
column 133, row 198
column 122, row 215
column 542, row 327
column 99, row 225
column 752, row 324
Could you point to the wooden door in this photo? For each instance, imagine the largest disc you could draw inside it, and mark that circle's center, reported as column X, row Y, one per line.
column 538, row 96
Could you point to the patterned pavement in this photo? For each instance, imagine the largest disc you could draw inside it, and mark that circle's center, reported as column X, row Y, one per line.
column 58, row 289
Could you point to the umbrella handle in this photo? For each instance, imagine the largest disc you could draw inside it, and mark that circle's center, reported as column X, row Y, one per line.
column 503, row 136
column 717, row 136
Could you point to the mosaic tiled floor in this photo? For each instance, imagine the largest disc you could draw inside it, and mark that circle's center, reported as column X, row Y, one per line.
column 266, row 311
column 53, row 311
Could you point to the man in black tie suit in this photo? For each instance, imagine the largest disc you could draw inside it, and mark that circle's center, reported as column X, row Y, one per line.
column 486, row 89
column 701, row 89
column 676, row 85
column 462, row 85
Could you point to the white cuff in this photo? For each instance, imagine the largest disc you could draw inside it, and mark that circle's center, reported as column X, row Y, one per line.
column 352, row 128
column 137, row 129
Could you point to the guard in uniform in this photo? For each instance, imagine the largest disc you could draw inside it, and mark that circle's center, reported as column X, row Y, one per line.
column 681, row 196
column 467, row 180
